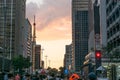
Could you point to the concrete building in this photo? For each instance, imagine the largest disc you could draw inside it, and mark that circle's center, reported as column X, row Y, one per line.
column 103, row 28
column 37, row 56
column 113, row 33
column 91, row 40
column 68, row 57
column 113, row 23
column 79, row 32
column 12, row 22
column 27, row 40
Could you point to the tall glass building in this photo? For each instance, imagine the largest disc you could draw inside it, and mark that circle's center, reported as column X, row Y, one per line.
column 79, row 32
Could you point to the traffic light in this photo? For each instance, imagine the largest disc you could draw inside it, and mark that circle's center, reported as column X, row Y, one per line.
column 98, row 58
column 98, row 54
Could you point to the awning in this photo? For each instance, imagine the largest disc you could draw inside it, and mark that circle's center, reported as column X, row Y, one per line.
column 101, row 68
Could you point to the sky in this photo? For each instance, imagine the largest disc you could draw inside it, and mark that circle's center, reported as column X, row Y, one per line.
column 53, row 28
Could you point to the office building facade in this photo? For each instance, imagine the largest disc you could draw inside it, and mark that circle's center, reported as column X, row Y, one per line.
column 79, row 32
column 113, row 35
column 12, row 22
column 113, row 23
column 37, row 56
column 27, row 40
column 68, row 57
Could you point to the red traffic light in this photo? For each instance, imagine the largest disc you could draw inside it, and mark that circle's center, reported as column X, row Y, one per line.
column 98, row 54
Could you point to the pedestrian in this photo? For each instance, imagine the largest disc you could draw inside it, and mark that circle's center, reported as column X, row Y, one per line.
column 10, row 76
column 17, row 77
column 5, row 76
column 92, row 76
column 74, row 76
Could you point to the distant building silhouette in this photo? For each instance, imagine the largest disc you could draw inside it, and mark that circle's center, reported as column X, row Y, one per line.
column 37, row 56
column 68, row 57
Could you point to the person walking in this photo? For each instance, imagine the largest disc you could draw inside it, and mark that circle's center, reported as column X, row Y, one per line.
column 5, row 76
column 17, row 77
column 92, row 76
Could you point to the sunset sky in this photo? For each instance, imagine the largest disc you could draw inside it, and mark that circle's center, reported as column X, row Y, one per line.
column 53, row 24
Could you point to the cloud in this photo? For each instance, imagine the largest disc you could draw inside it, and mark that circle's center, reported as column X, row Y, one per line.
column 53, row 18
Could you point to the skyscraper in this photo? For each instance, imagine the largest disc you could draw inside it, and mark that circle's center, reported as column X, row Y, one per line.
column 27, row 40
column 79, row 32
column 113, row 35
column 113, row 23
column 12, row 22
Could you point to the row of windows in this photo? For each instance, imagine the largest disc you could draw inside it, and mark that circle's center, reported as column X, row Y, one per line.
column 113, row 30
column 81, row 15
column 111, row 7
column 114, row 43
column 8, row 1
column 113, row 17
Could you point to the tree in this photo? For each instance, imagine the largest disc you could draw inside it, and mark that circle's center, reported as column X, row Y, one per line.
column 52, row 71
column 61, row 70
column 19, row 62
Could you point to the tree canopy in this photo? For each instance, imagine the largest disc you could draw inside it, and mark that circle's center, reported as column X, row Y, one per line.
column 19, row 62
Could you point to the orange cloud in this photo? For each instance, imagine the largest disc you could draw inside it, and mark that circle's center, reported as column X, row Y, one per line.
column 58, row 29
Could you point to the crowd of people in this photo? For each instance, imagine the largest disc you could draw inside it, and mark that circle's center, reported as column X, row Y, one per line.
column 91, row 76
column 17, row 76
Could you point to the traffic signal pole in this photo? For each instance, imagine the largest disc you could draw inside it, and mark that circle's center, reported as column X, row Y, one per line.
column 98, row 58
